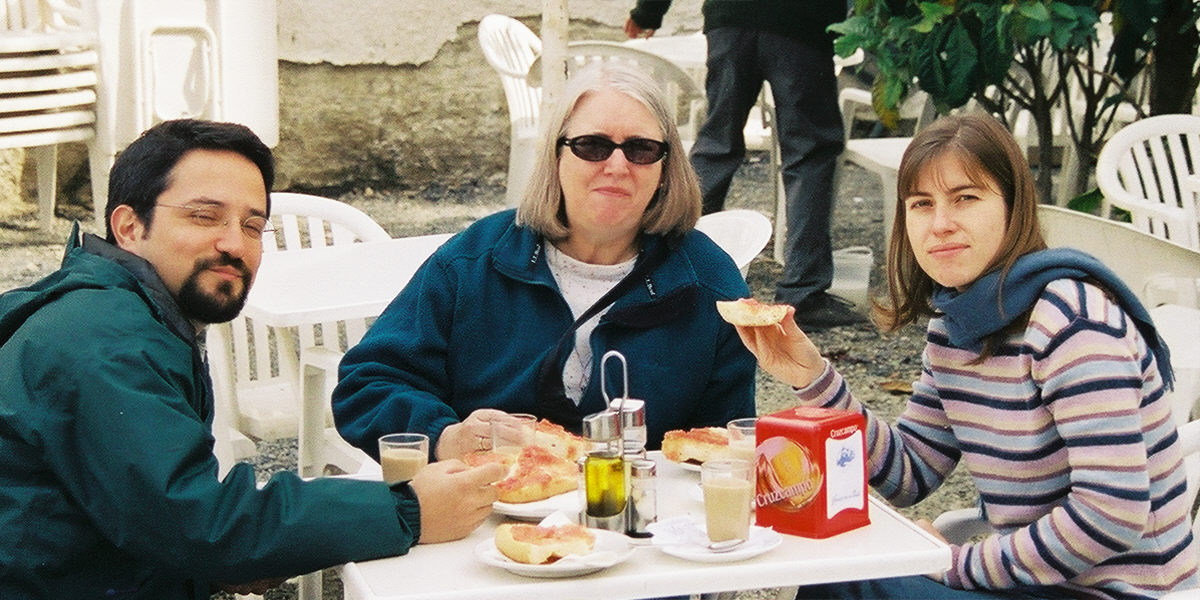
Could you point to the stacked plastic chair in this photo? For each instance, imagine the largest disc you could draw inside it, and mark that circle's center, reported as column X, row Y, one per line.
column 48, row 78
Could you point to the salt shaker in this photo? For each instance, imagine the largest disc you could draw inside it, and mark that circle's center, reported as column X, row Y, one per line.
column 633, row 426
column 643, row 499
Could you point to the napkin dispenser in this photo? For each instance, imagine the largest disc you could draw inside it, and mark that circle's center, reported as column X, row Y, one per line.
column 811, row 471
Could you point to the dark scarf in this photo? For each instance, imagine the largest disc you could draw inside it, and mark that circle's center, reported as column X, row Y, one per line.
column 975, row 314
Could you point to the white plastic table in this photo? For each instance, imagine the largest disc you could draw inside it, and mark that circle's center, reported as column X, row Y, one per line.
column 890, row 546
column 322, row 285
column 334, row 283
column 882, row 157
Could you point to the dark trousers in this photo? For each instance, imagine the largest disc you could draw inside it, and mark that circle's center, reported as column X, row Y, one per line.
column 908, row 588
column 809, row 128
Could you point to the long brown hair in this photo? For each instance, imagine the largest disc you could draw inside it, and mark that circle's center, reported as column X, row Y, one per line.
column 987, row 150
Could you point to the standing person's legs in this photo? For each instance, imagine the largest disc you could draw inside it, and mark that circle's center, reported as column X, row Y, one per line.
column 811, row 139
column 731, row 85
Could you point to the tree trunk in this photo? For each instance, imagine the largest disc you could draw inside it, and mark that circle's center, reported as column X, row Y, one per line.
column 1041, row 103
column 1173, row 87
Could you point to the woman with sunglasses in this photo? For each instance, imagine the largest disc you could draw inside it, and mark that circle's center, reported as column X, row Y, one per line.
column 514, row 314
column 1042, row 374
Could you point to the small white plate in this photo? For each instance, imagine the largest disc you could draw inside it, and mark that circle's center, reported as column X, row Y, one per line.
column 612, row 548
column 686, row 466
column 567, row 502
column 686, row 538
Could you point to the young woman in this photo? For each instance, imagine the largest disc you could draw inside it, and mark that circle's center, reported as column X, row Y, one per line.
column 1042, row 373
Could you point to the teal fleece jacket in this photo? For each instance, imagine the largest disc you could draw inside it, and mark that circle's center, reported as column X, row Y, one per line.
column 108, row 484
column 472, row 326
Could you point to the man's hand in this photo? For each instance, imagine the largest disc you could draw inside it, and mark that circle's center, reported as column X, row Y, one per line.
column 471, row 435
column 784, row 351
column 633, row 31
column 454, row 499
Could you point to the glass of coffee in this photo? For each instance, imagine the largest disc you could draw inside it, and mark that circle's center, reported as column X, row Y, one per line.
column 728, row 486
column 402, row 454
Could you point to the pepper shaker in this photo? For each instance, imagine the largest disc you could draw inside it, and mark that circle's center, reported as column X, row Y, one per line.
column 643, row 499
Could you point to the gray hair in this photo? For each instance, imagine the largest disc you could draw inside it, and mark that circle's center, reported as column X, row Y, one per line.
column 676, row 205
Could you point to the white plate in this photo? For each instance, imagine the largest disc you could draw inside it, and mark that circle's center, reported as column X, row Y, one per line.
column 686, row 466
column 686, row 538
column 568, row 502
column 612, row 548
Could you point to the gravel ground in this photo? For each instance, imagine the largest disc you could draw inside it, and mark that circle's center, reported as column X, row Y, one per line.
column 870, row 361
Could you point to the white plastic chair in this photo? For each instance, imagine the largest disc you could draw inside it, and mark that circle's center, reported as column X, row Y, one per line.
column 1164, row 275
column 255, row 373
column 252, row 373
column 741, row 233
column 510, row 48
column 682, row 94
column 48, row 61
column 880, row 155
column 1150, row 168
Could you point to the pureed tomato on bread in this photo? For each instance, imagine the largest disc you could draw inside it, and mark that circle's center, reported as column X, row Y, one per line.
column 534, row 474
column 540, row 471
column 559, row 441
column 748, row 312
column 536, row 545
column 695, row 445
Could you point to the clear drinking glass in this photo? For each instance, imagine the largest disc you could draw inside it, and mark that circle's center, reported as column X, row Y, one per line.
column 402, row 454
column 728, row 491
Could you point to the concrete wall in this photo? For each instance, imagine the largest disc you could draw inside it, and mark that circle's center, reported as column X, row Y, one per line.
column 381, row 93
column 395, row 93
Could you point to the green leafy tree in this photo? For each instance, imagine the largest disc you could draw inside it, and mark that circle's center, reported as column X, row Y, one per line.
column 1009, row 55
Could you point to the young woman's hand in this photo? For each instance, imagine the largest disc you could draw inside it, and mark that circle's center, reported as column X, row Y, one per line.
column 784, row 351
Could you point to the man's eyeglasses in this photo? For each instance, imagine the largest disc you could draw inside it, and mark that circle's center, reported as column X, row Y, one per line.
column 594, row 148
column 253, row 227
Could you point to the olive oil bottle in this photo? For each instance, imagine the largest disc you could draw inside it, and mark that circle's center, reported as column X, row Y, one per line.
column 604, row 472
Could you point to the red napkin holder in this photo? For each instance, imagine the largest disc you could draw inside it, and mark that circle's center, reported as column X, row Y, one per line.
column 811, row 471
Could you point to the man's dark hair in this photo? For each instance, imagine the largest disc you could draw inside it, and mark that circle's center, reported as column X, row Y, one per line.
column 142, row 170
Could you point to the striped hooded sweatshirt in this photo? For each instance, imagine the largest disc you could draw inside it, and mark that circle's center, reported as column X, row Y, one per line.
column 1067, row 433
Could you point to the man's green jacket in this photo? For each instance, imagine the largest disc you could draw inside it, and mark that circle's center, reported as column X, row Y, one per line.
column 108, row 484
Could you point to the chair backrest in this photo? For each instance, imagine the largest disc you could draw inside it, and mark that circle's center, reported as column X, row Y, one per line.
column 682, row 95
column 306, row 221
column 510, row 48
column 1159, row 271
column 244, row 356
column 739, row 232
column 1150, row 168
column 1162, row 273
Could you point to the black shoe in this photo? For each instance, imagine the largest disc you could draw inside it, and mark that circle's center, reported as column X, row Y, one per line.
column 823, row 310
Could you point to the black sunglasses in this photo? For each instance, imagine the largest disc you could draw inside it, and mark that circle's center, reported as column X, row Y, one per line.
column 594, row 148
